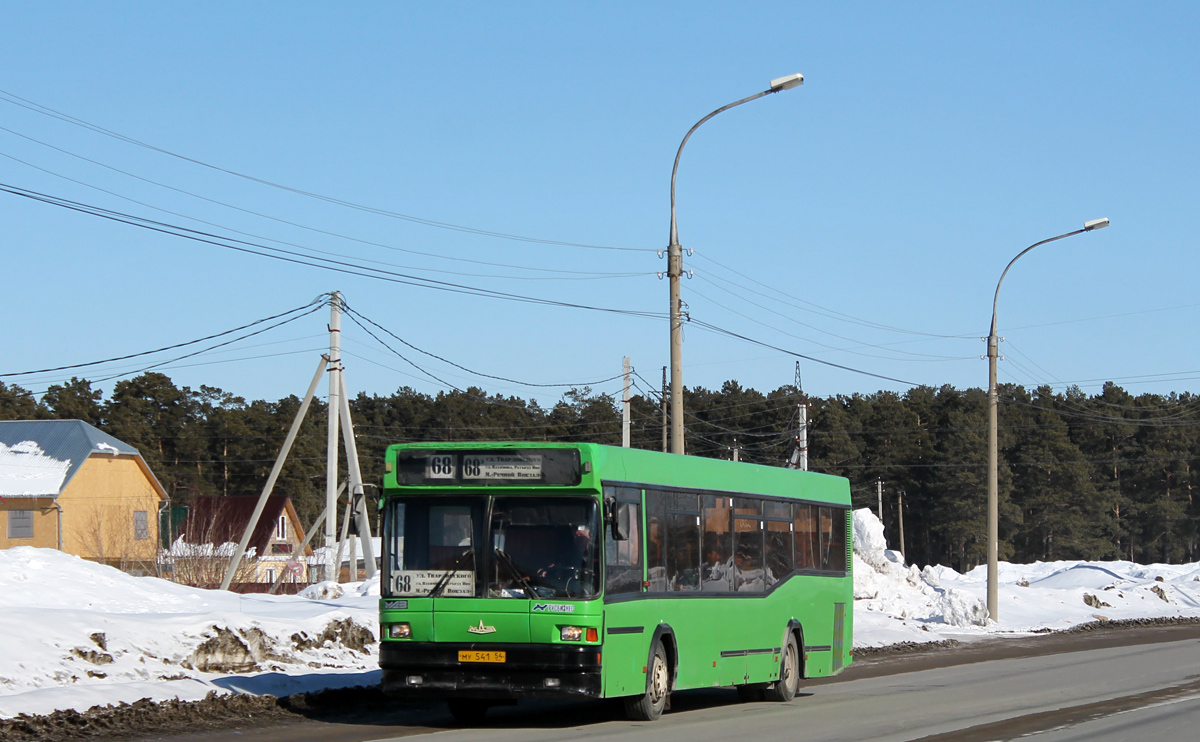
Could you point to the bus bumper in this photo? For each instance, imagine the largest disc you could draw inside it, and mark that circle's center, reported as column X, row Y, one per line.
column 432, row 670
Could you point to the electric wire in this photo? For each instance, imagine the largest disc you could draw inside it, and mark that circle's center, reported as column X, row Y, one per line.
column 581, row 275
column 16, row 100
column 298, row 259
column 164, row 348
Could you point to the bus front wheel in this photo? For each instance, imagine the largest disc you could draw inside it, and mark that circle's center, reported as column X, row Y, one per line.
column 784, row 689
column 649, row 706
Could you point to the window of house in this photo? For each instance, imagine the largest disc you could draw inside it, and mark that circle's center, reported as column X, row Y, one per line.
column 271, row 576
column 20, row 524
column 141, row 525
column 281, row 528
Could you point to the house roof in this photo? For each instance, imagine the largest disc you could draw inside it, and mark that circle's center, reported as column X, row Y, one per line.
column 38, row 458
column 220, row 520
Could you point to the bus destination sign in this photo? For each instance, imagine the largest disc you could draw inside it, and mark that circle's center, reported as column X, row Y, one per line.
column 559, row 466
column 484, row 466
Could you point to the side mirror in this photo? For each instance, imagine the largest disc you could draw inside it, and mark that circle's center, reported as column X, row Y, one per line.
column 620, row 519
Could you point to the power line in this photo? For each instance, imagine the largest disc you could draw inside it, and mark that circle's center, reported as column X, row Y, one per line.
column 165, row 348
column 298, row 259
column 575, row 275
column 46, row 111
column 730, row 333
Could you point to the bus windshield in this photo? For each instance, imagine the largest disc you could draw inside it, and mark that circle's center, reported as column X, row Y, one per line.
column 497, row 547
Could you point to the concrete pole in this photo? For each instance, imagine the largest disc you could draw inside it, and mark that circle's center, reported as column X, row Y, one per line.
column 625, row 405
column 879, row 492
column 270, row 485
column 993, row 508
column 331, row 451
column 900, row 514
column 357, row 495
column 802, row 437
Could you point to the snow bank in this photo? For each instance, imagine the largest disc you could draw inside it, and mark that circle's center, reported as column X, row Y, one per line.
column 896, row 602
column 70, row 624
column 884, row 585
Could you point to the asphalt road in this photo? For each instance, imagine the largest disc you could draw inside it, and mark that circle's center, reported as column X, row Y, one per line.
column 1137, row 684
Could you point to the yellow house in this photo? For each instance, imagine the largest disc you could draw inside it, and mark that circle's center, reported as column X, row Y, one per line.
column 67, row 485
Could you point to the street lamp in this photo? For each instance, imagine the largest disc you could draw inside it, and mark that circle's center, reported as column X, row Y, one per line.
column 993, row 343
column 675, row 267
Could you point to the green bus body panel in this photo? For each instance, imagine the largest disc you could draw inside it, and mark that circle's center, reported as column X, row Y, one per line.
column 720, row 639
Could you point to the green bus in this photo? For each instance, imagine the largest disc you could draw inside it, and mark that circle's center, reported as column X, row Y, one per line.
column 548, row 570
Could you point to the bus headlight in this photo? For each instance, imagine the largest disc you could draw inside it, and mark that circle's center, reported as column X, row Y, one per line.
column 399, row 631
column 570, row 633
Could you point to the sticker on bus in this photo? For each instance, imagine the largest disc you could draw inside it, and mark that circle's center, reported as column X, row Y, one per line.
column 553, row 608
column 419, row 582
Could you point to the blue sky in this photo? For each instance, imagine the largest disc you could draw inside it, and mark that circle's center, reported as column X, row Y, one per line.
column 861, row 220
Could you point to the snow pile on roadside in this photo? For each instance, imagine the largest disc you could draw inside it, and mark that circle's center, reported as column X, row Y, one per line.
column 80, row 627
column 895, row 602
column 885, row 585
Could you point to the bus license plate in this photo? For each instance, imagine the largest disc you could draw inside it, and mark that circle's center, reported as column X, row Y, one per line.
column 471, row 656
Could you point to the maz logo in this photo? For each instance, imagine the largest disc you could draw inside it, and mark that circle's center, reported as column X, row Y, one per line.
column 481, row 629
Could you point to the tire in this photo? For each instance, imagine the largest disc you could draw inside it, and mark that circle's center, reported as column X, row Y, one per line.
column 468, row 712
column 649, row 706
column 784, row 689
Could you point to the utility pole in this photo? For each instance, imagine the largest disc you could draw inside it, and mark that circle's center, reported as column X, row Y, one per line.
column 799, row 456
column 736, row 450
column 236, row 559
column 664, row 408
column 625, row 404
column 339, row 412
column 900, row 513
column 331, row 453
column 879, row 491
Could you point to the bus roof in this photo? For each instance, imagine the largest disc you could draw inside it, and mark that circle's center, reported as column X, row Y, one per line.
column 613, row 464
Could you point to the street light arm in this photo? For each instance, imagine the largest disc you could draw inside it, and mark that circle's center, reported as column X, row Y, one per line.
column 675, row 169
column 996, row 298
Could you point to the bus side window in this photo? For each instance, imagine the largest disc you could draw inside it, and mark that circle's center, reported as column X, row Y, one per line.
column 716, row 543
column 779, row 555
column 623, row 559
column 683, row 562
column 833, row 539
column 656, row 563
column 806, row 536
column 749, row 575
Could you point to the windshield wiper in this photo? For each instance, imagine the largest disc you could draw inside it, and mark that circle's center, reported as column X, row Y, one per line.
column 454, row 568
column 517, row 577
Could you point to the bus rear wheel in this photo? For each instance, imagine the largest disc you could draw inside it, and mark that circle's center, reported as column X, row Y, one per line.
column 784, row 689
column 649, row 706
column 467, row 711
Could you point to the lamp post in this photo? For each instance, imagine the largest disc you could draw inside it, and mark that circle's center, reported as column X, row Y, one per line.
column 993, row 343
column 675, row 267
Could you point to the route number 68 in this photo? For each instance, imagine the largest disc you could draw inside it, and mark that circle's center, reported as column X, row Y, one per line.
column 439, row 467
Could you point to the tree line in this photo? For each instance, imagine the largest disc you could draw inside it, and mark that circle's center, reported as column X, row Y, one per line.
column 1105, row 476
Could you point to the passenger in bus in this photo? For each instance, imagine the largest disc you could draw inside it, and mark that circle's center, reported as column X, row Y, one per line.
column 716, row 571
column 749, row 575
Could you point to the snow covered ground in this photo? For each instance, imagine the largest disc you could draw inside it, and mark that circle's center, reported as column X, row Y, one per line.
column 74, row 634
